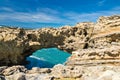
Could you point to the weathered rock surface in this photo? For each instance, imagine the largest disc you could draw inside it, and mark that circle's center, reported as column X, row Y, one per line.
column 13, row 70
column 95, row 49
column 101, row 60
column 87, row 57
column 98, row 72
column 16, row 43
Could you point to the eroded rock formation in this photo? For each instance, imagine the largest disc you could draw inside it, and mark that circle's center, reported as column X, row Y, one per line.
column 104, row 44
column 101, row 60
column 17, row 43
column 95, row 49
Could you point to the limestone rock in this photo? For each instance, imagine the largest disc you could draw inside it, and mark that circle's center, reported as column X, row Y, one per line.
column 17, row 76
column 13, row 70
column 16, row 43
column 39, row 70
column 2, row 68
column 60, row 71
column 95, row 56
column 95, row 49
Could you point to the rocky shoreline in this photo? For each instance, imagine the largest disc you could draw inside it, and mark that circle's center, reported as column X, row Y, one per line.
column 95, row 49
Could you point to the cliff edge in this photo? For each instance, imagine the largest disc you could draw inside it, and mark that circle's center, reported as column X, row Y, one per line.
column 16, row 43
column 95, row 49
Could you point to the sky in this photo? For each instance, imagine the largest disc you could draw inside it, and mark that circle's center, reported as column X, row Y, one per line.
column 55, row 13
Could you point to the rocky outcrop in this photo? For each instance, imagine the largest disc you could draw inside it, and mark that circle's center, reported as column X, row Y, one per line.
column 88, row 57
column 16, row 43
column 104, row 44
column 61, row 72
column 101, row 60
column 95, row 49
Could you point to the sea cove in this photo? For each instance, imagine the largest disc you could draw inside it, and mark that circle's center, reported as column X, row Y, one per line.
column 93, row 50
column 47, row 58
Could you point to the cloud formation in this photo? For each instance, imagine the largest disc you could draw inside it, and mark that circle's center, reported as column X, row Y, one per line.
column 47, row 15
column 30, row 17
column 78, row 17
column 6, row 9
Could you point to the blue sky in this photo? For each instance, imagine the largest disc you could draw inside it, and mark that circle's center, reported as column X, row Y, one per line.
column 40, row 13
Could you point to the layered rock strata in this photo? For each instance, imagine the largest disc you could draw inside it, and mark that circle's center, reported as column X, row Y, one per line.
column 89, row 57
column 95, row 49
column 61, row 72
column 16, row 43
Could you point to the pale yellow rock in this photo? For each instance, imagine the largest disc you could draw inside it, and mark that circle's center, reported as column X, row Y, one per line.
column 95, row 49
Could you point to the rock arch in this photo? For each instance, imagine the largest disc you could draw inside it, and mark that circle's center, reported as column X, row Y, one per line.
column 16, row 43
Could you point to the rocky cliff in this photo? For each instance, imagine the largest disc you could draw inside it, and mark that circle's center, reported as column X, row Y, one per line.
column 95, row 49
column 103, row 45
column 16, row 43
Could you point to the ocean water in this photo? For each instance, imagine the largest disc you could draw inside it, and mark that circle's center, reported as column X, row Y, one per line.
column 47, row 58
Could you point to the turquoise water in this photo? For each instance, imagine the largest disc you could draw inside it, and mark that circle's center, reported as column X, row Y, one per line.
column 47, row 58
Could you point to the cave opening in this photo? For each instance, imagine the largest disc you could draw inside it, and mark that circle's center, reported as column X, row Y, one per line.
column 46, row 58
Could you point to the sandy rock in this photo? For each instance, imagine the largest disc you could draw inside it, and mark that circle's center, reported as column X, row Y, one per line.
column 2, row 68
column 95, row 49
column 17, row 76
column 13, row 70
column 16, row 43
column 88, row 57
column 39, row 70
column 66, row 71
column 37, row 76
column 22, row 43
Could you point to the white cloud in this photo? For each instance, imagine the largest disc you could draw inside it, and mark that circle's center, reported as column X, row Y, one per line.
column 43, row 15
column 81, row 17
column 54, row 16
column 47, row 10
column 40, row 17
column 6, row 9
